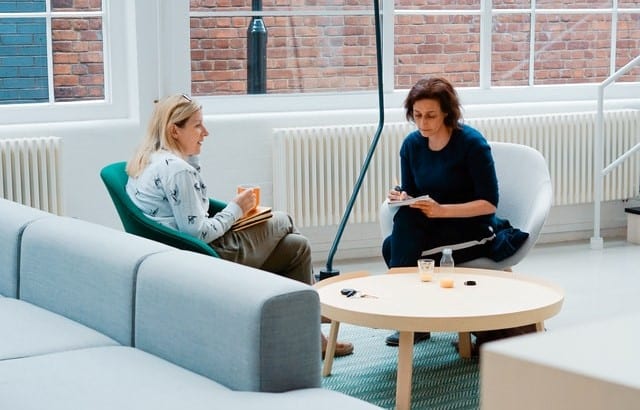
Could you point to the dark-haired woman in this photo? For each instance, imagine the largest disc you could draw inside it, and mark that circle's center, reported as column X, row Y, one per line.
column 451, row 163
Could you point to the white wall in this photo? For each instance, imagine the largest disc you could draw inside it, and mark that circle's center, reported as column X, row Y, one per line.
column 239, row 147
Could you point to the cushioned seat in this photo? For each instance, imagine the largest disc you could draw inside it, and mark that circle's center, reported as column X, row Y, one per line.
column 83, row 272
column 107, row 378
column 13, row 219
column 525, row 198
column 136, row 222
column 28, row 330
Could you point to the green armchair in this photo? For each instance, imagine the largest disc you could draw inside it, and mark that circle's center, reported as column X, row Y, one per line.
column 135, row 222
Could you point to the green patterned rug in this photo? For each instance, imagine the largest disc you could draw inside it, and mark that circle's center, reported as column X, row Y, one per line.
column 441, row 379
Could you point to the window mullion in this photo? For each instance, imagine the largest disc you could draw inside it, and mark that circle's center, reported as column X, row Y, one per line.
column 614, row 36
column 486, row 24
column 388, row 46
column 532, row 43
column 49, row 36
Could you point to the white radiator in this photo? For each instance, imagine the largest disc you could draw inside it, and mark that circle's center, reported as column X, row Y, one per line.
column 315, row 168
column 30, row 172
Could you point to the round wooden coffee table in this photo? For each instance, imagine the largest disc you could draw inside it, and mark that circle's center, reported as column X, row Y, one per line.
column 400, row 301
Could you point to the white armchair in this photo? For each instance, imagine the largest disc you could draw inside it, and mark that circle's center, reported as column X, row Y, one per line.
column 525, row 198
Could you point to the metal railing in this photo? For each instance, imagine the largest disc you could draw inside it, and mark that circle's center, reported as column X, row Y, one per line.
column 599, row 170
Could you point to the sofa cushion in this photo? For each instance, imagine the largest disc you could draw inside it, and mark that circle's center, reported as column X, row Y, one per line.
column 243, row 327
column 307, row 399
column 28, row 330
column 83, row 271
column 108, row 378
column 13, row 218
column 102, row 378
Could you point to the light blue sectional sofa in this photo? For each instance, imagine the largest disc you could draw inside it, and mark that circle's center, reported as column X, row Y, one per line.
column 95, row 318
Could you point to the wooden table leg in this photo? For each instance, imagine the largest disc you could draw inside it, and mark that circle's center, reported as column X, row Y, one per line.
column 331, row 348
column 464, row 345
column 405, row 371
column 540, row 327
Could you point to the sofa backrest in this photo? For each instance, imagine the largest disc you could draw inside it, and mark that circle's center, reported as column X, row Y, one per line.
column 13, row 219
column 83, row 271
column 245, row 328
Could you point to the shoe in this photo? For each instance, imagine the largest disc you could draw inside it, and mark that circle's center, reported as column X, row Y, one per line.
column 342, row 348
column 394, row 339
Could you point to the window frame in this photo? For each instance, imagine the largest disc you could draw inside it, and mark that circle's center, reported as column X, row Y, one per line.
column 115, row 58
column 483, row 94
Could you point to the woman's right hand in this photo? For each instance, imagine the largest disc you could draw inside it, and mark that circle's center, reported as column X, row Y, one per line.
column 246, row 200
column 395, row 195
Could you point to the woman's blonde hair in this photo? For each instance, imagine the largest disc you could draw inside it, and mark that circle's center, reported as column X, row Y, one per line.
column 171, row 110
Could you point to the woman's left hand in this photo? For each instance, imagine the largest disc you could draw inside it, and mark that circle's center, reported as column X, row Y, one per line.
column 429, row 207
column 433, row 209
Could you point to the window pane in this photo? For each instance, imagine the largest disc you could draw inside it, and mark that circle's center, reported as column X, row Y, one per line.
column 23, row 61
column 279, row 5
column 217, row 5
column 628, row 44
column 573, row 4
column 22, row 6
column 572, row 48
column 437, row 45
column 511, row 4
column 304, row 54
column 627, row 3
column 438, row 4
column 78, row 64
column 510, row 50
column 76, row 5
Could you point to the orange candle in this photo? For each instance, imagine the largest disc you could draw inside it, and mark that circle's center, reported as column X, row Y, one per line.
column 446, row 283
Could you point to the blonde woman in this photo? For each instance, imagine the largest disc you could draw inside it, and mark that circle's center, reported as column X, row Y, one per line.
column 165, row 183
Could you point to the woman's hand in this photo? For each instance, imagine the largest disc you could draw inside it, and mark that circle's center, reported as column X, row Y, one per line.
column 395, row 195
column 246, row 200
column 429, row 208
column 433, row 209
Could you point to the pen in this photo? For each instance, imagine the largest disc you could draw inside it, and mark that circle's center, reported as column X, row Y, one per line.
column 397, row 187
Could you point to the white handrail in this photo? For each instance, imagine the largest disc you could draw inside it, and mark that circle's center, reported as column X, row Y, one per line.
column 599, row 170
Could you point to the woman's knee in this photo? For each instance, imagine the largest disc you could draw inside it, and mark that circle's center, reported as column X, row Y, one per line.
column 408, row 219
column 291, row 258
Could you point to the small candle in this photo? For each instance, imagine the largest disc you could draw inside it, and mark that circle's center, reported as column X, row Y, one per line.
column 446, row 283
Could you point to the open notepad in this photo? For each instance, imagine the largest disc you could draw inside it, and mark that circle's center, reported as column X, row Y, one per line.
column 407, row 201
column 260, row 214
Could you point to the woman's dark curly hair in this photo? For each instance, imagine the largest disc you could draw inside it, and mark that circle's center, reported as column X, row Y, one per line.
column 441, row 90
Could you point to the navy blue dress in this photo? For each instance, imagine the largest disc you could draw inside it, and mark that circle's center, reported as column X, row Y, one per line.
column 462, row 171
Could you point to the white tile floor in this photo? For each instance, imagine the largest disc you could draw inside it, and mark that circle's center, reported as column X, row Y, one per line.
column 598, row 284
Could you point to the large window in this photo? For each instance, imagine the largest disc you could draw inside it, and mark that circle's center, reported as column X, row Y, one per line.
column 329, row 46
column 82, row 59
column 51, row 51
column 311, row 46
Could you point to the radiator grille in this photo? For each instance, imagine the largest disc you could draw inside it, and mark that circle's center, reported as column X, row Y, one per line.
column 30, row 173
column 315, row 168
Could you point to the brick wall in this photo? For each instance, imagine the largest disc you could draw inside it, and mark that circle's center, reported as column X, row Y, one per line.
column 327, row 53
column 23, row 61
column 78, row 64
column 311, row 53
column 78, row 61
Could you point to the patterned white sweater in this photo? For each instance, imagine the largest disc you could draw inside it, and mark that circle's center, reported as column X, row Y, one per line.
column 171, row 191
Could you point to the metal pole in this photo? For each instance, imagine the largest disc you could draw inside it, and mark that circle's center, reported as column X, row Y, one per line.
column 256, row 52
column 329, row 271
